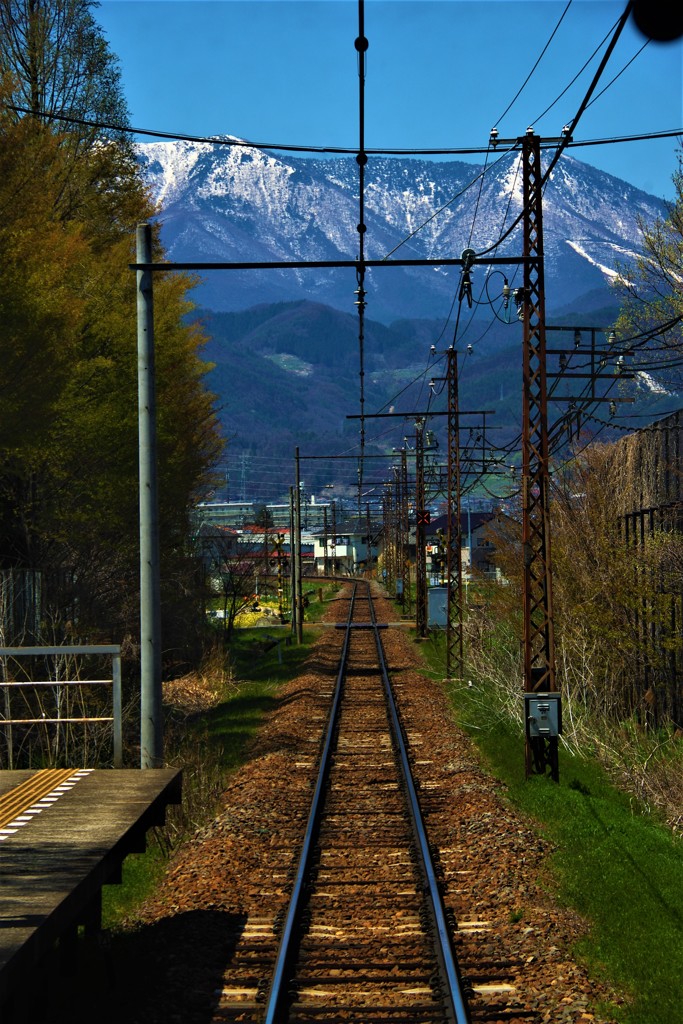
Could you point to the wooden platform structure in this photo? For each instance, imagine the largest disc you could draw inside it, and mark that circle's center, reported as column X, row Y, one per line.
column 63, row 835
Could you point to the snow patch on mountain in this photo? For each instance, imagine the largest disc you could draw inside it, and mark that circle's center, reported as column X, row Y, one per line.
column 650, row 384
column 244, row 205
column 607, row 271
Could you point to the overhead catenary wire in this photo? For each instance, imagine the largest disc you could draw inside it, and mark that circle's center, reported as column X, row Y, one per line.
column 570, row 128
column 361, row 45
column 538, row 61
column 286, row 147
column 578, row 74
column 621, row 24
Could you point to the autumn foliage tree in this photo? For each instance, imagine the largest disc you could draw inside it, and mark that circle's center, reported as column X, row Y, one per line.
column 70, row 198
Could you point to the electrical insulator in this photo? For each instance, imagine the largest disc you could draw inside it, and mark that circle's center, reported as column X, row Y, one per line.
column 470, row 350
column 612, row 408
column 466, row 288
column 577, row 339
column 518, row 296
column 506, row 293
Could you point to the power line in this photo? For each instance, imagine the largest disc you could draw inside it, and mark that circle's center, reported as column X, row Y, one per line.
column 538, row 61
column 235, row 143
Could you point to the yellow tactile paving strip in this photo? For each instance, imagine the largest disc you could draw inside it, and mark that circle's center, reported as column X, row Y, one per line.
column 28, row 793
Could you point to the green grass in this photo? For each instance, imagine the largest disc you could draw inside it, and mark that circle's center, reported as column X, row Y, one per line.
column 615, row 864
column 209, row 747
column 312, row 590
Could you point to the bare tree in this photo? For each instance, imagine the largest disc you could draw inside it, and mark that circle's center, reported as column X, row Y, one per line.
column 60, row 64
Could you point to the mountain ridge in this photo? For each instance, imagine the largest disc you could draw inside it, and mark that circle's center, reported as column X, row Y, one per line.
column 246, row 205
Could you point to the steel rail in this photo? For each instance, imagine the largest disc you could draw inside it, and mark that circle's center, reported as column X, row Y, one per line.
column 456, row 1007
column 277, row 993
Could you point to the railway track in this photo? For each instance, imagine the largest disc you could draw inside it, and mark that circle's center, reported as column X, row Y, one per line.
column 365, row 937
column 363, row 940
column 360, row 923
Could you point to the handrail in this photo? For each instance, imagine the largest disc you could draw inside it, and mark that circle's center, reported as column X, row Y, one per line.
column 112, row 650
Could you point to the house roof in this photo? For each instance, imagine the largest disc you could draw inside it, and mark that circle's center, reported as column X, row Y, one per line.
column 468, row 521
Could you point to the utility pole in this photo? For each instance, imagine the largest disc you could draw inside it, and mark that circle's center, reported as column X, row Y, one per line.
column 298, row 597
column 399, row 550
column 388, row 539
column 151, row 717
column 293, row 562
column 542, row 713
column 405, row 533
column 421, row 517
column 326, row 556
column 279, row 541
column 454, row 624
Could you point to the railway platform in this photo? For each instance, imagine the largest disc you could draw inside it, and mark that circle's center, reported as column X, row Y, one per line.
column 64, row 833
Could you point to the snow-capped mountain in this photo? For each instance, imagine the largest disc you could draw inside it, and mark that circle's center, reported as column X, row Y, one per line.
column 222, row 203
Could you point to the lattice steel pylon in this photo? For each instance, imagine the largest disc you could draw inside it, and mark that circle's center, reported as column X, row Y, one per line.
column 539, row 646
column 454, row 616
column 399, row 549
column 420, row 523
column 405, row 532
column 389, row 540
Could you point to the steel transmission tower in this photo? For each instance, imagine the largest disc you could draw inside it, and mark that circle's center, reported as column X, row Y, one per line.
column 539, row 646
column 454, row 645
column 420, row 523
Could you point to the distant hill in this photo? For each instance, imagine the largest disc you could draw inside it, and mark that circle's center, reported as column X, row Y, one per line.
column 287, row 375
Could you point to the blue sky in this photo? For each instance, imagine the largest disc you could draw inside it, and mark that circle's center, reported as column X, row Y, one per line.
column 439, row 73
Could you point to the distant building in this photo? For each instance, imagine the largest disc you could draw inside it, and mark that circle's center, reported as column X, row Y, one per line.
column 224, row 513
column 216, row 544
column 476, row 549
column 346, row 552
column 243, row 513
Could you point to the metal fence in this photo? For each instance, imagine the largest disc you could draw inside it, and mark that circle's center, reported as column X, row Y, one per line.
column 58, row 691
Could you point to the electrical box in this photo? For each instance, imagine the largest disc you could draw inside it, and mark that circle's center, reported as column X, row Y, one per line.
column 543, row 714
column 437, row 610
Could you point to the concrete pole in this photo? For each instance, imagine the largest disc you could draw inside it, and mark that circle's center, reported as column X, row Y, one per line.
column 299, row 559
column 151, row 723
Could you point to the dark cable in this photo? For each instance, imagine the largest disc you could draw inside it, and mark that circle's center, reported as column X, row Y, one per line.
column 540, row 58
column 361, row 45
column 333, row 150
column 578, row 73
column 587, row 98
